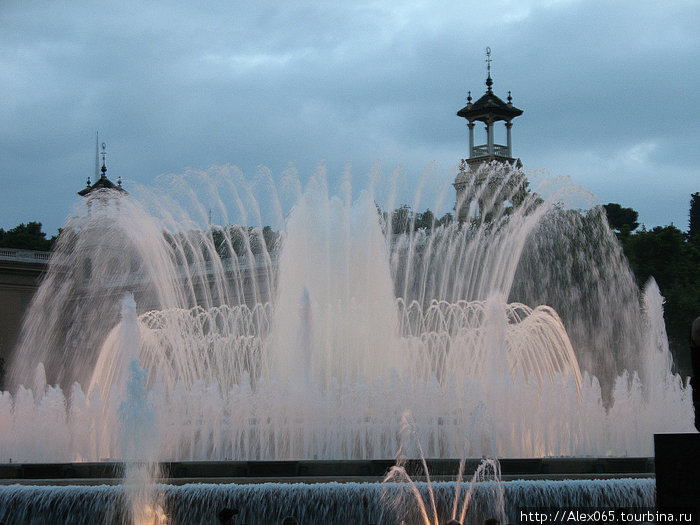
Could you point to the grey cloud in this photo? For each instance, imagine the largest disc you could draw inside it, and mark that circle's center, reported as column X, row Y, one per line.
column 171, row 85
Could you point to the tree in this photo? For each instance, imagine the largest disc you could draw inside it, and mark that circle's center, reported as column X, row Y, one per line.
column 424, row 220
column 401, row 219
column 655, row 253
column 271, row 238
column 621, row 219
column 673, row 260
column 241, row 239
column 26, row 237
column 404, row 220
column 694, row 222
column 445, row 219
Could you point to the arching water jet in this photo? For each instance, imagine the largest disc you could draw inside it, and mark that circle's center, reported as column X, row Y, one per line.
column 229, row 377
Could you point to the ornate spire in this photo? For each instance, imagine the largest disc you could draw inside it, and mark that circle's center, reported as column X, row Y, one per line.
column 489, row 81
column 101, row 181
column 104, row 154
column 97, row 157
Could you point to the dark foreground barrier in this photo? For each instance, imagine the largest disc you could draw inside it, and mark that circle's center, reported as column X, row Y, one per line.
column 305, row 471
column 678, row 472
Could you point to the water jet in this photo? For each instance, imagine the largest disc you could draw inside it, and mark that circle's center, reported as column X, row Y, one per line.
column 517, row 334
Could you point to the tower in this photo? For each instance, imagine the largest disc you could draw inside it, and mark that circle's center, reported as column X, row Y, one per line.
column 489, row 109
column 91, row 191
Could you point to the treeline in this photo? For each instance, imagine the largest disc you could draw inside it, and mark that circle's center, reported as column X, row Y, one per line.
column 672, row 258
column 27, row 237
column 242, row 240
column 404, row 219
column 227, row 242
column 666, row 253
column 232, row 238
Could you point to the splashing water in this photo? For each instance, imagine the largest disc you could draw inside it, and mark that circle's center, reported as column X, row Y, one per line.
column 403, row 495
column 313, row 504
column 484, row 496
column 138, row 431
column 139, row 442
column 516, row 334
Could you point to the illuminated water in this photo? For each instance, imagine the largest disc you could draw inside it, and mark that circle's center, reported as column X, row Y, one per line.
column 521, row 335
column 314, row 504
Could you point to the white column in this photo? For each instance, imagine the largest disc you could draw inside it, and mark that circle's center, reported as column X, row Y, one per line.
column 471, row 139
column 510, row 147
column 489, row 132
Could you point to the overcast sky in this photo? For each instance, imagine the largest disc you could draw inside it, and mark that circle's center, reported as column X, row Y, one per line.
column 610, row 93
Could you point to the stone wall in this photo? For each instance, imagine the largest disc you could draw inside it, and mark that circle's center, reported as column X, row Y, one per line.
column 19, row 279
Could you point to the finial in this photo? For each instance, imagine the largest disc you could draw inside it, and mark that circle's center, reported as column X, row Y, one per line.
column 97, row 155
column 489, row 82
column 510, row 99
column 104, row 154
column 87, row 184
column 469, row 97
column 119, row 181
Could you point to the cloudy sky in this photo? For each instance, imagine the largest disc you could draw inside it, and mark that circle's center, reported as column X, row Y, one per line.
column 610, row 92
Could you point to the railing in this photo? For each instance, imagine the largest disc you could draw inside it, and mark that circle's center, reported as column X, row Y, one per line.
column 244, row 263
column 12, row 254
column 483, row 150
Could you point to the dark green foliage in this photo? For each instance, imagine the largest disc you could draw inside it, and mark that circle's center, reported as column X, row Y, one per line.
column 26, row 237
column 243, row 241
column 694, row 222
column 424, row 220
column 673, row 260
column 404, row 220
column 621, row 219
column 227, row 242
column 401, row 219
column 445, row 219
column 655, row 253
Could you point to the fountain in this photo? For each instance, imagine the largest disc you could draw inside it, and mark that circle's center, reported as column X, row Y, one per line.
column 519, row 333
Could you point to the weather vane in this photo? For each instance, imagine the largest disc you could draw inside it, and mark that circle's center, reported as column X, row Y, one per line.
column 488, row 60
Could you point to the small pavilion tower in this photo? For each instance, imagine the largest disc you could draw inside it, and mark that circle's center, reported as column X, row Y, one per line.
column 102, row 183
column 489, row 109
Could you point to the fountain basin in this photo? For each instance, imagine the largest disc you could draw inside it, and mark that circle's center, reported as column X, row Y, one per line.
column 315, row 503
column 309, row 471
